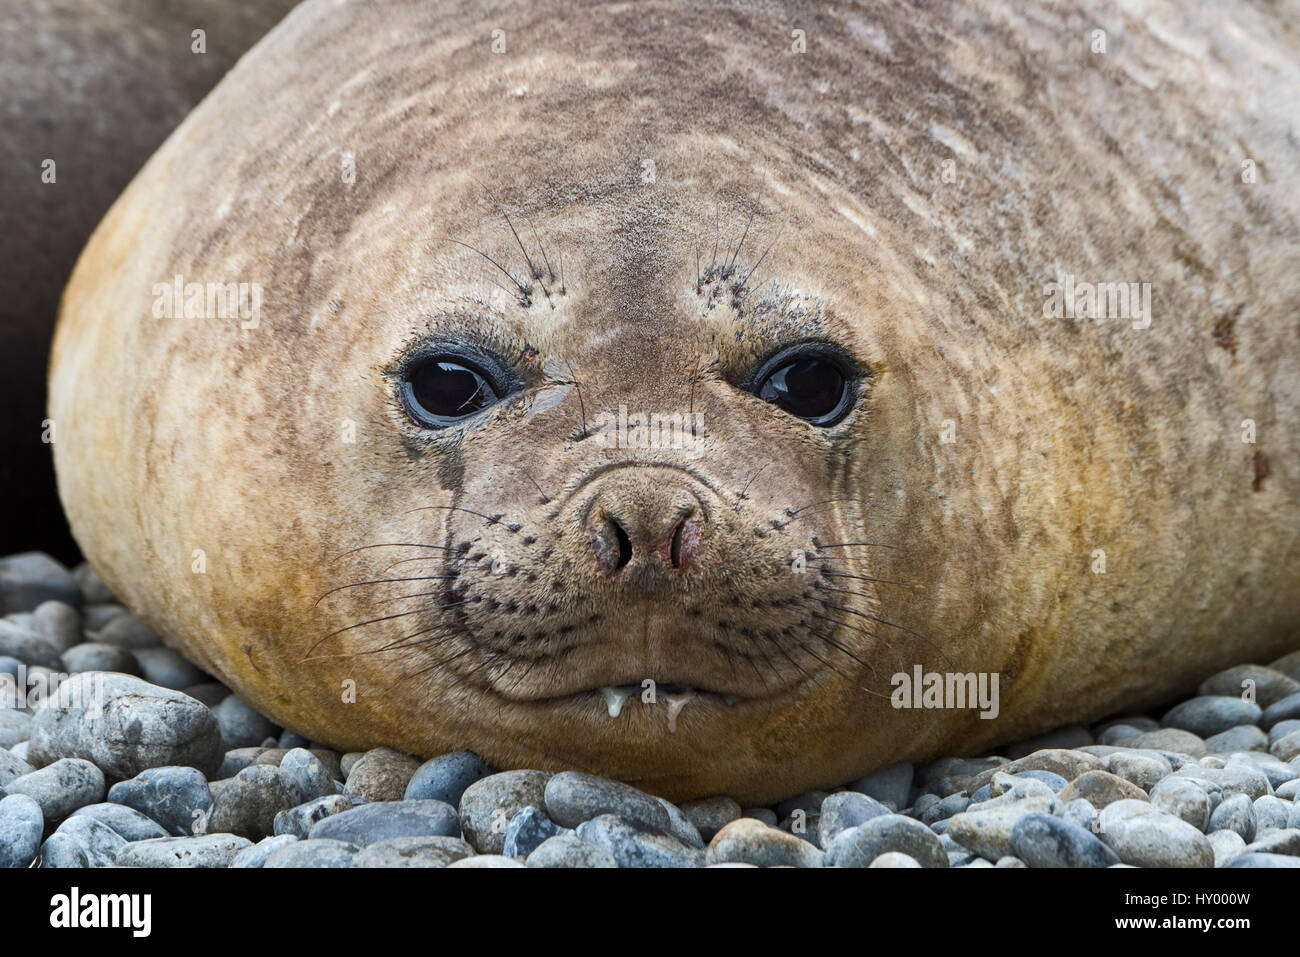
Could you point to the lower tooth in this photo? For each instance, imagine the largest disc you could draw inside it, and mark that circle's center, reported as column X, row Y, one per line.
column 676, row 702
column 614, row 698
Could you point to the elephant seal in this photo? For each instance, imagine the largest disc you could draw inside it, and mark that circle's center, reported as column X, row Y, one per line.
column 645, row 388
column 88, row 91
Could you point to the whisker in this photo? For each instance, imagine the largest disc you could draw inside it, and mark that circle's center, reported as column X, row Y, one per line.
column 381, row 581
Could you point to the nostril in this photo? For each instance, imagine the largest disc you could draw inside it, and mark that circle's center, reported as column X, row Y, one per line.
column 624, row 543
column 675, row 551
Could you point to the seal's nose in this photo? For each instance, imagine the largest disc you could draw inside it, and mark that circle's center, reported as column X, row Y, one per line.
column 639, row 523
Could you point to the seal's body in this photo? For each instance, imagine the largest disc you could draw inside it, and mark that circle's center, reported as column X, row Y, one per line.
column 88, row 90
column 639, row 388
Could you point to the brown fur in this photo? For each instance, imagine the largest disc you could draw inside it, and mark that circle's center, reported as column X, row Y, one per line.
column 1070, row 436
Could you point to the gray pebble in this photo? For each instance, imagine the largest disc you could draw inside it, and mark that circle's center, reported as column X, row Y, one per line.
column 527, row 830
column 1270, row 811
column 128, row 822
column 298, row 821
column 988, row 831
column 709, row 815
column 62, row 787
column 1170, row 740
column 428, row 851
column 1287, row 747
column 58, row 623
column 1142, row 769
column 97, row 656
column 1226, row 845
column 568, row 850
column 29, row 578
column 1244, row 737
column 1144, row 836
column 256, row 855
column 176, row 797
column 138, row 726
column 1069, row 737
column 124, row 631
column 1284, row 710
column 381, row 774
column 162, row 666
column 318, row 852
column 21, row 825
column 371, row 823
column 1211, row 714
column 894, row 859
column 208, row 850
column 890, row 786
column 1275, row 841
column 572, row 798
column 95, row 616
column 1184, row 799
column 488, row 804
column 292, row 739
column 1264, row 860
column 93, row 589
column 1269, row 684
column 241, row 726
column 847, row 809
column 211, row 693
column 1041, row 840
column 82, row 842
column 484, row 861
column 859, row 846
column 634, row 845
column 1235, row 813
column 1288, row 790
column 446, row 777
column 309, row 776
column 15, row 727
column 248, row 804
column 27, row 646
column 947, row 807
column 764, row 814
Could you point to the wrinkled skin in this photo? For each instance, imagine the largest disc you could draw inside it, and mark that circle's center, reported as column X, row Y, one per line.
column 254, row 493
column 95, row 86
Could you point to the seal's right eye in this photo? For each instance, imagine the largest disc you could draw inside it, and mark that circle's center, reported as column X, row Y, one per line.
column 442, row 390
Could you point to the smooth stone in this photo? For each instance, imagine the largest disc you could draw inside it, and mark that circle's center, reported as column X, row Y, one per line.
column 317, row 852
column 382, row 774
column 1171, row 739
column 176, row 797
column 21, row 825
column 1069, row 764
column 808, row 802
column 125, row 631
column 753, row 842
column 256, row 856
column 572, row 798
column 988, row 831
column 248, row 804
column 1242, row 777
column 298, row 821
column 859, row 846
column 527, row 830
column 241, row 726
column 1118, row 734
column 1235, row 813
column 1275, row 841
column 349, row 759
column 290, row 740
column 1270, row 811
column 1153, row 839
column 894, row 859
column 1226, row 846
column 59, row 624
column 1184, row 799
column 371, row 823
column 635, row 845
column 764, row 814
column 1041, row 840
column 1288, row 790
column 162, row 666
column 139, row 726
column 680, row 826
column 29, row 578
column 1256, row 859
column 82, row 842
column 1211, row 714
column 207, row 850
column 709, row 815
column 485, row 861
column 96, row 615
column 1288, row 664
column 1287, row 747
column 446, row 777
column 93, row 589
column 1100, row 788
column 309, row 776
column 1144, row 770
column 569, row 850
column 1282, row 729
column 1079, row 813
column 61, row 787
column 126, row 821
column 1003, row 782
column 489, row 803
column 890, row 786
column 97, row 656
column 15, row 727
column 1284, row 710
column 1244, row 737
column 846, row 809
column 1269, row 685
column 27, row 646
column 946, row 808
column 423, row 851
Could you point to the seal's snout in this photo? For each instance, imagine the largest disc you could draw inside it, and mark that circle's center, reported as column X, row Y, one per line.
column 639, row 526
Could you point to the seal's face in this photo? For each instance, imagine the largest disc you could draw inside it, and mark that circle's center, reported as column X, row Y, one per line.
column 618, row 532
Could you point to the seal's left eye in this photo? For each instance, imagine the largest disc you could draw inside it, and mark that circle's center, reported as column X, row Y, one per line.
column 810, row 380
column 441, row 390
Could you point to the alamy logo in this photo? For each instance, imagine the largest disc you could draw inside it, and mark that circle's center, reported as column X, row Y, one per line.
column 134, row 911
column 179, row 299
column 1102, row 300
column 930, row 689
column 649, row 430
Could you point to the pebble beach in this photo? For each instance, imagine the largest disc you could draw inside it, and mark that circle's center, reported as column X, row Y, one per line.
column 173, row 770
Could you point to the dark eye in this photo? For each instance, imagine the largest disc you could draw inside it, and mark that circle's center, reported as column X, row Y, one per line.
column 812, row 381
column 442, row 389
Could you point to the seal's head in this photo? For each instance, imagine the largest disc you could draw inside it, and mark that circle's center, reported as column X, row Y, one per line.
column 576, row 408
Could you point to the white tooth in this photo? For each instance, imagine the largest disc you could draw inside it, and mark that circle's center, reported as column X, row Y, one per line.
column 614, row 698
column 676, row 702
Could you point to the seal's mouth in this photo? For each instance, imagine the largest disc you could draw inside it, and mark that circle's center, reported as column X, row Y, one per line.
column 671, row 698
